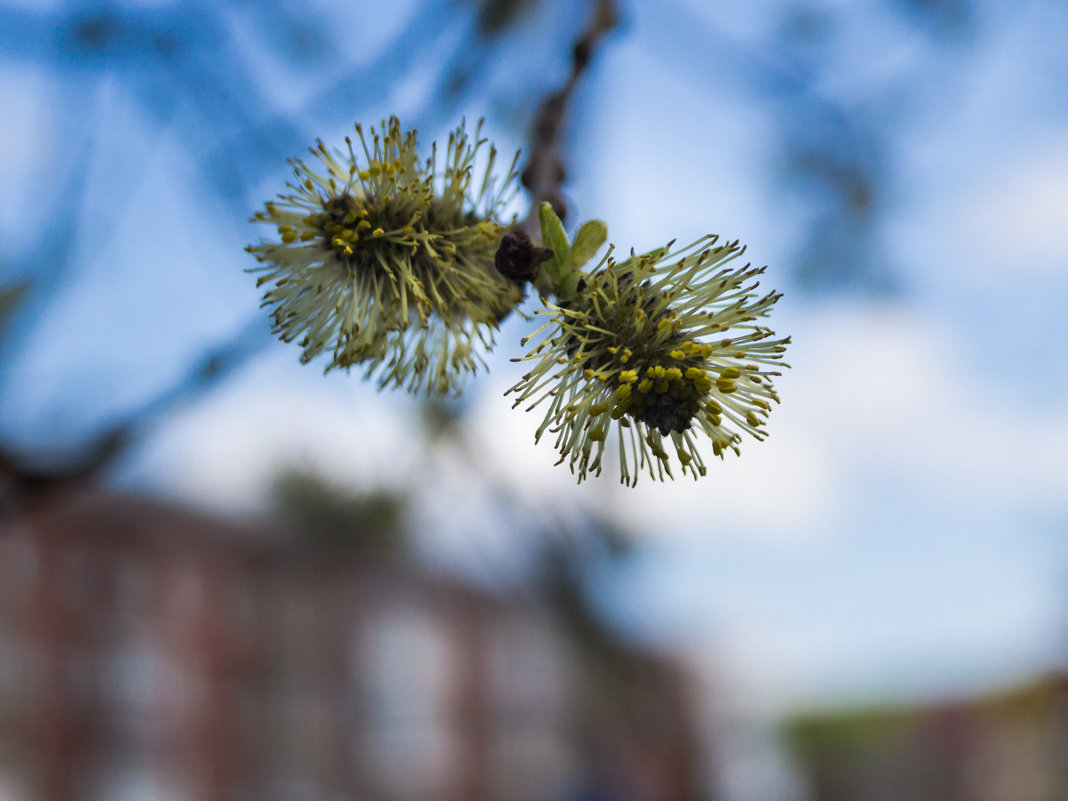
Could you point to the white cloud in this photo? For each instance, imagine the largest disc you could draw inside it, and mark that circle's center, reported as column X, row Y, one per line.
column 886, row 389
column 875, row 394
column 225, row 453
column 1020, row 215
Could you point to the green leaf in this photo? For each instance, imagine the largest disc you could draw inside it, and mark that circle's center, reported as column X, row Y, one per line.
column 588, row 241
column 554, row 237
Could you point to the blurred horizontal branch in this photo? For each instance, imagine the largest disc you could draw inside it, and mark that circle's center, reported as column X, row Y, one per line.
column 164, row 57
column 29, row 473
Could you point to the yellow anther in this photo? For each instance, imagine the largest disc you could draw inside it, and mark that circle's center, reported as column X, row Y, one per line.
column 662, row 325
column 308, row 235
column 623, row 391
column 289, row 237
column 364, row 175
column 730, row 372
column 626, row 357
column 377, row 232
column 714, row 407
column 621, row 409
column 408, row 229
column 694, row 373
column 677, row 355
column 763, row 404
column 588, row 372
column 645, row 385
column 308, row 184
column 596, row 434
column 600, row 408
column 715, row 419
column 656, row 371
column 347, row 233
column 726, row 386
column 362, row 224
column 752, row 419
column 628, row 376
column 673, row 374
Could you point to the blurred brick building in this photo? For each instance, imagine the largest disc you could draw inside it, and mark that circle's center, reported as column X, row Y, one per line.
column 1007, row 746
column 152, row 652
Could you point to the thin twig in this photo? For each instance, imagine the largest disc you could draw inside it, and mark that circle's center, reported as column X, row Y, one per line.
column 544, row 173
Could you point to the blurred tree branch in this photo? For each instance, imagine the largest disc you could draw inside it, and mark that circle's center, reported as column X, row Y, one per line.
column 544, row 173
column 26, row 474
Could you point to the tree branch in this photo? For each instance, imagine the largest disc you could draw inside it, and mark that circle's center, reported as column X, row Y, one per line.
column 544, row 173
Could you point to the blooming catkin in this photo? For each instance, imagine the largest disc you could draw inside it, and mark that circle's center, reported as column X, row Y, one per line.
column 385, row 262
column 662, row 347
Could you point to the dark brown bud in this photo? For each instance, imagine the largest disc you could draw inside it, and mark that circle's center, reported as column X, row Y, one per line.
column 518, row 257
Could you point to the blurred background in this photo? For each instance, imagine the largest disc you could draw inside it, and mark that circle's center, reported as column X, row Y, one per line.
column 225, row 576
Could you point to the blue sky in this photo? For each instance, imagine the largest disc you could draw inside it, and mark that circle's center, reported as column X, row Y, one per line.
column 902, row 532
